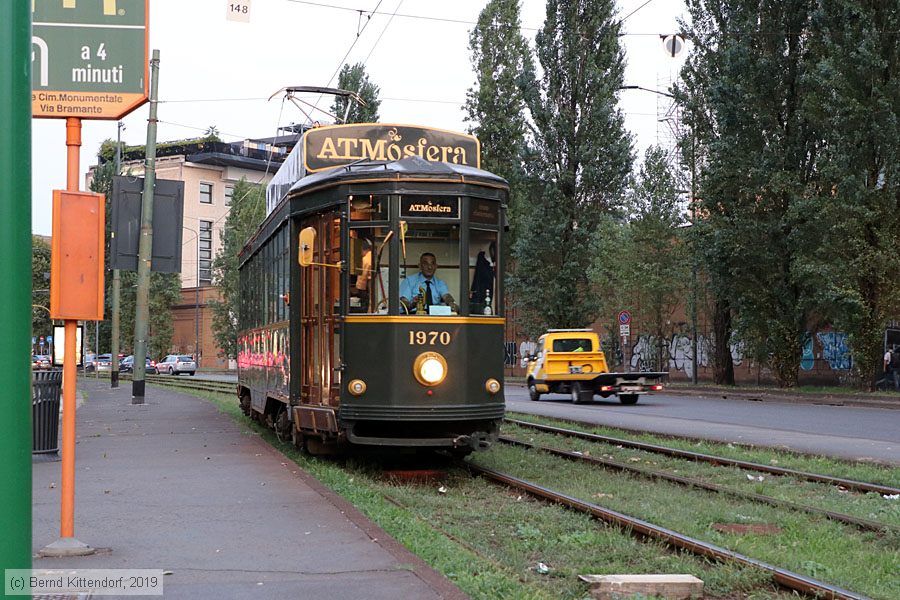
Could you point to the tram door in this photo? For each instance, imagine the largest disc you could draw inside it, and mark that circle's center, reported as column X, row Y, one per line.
column 320, row 312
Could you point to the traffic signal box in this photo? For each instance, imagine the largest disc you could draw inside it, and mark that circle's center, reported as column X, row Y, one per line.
column 77, row 256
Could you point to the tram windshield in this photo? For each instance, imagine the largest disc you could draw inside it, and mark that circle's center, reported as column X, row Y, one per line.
column 437, row 263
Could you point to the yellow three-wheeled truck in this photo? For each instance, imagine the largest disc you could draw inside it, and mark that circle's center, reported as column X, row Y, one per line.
column 569, row 361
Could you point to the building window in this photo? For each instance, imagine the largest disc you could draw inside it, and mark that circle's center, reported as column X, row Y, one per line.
column 204, row 253
column 206, row 193
column 229, row 192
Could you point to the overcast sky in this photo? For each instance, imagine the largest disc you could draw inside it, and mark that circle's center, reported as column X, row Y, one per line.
column 217, row 72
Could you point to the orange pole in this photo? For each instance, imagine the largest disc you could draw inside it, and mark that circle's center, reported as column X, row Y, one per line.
column 67, row 487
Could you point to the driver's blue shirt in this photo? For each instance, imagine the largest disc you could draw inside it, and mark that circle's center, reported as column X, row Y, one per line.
column 409, row 287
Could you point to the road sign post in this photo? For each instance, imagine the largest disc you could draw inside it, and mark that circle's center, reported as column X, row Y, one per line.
column 89, row 61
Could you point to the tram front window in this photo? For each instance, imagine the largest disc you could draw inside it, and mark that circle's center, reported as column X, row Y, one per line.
column 430, row 278
column 370, row 257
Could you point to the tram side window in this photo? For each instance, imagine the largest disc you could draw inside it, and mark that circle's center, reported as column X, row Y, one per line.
column 432, row 254
column 370, row 259
column 482, row 272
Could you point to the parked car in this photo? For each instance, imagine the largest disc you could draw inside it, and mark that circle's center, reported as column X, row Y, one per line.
column 127, row 365
column 175, row 364
column 40, row 362
column 103, row 363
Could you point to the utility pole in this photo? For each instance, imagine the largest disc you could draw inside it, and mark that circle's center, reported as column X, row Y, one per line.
column 15, row 294
column 116, row 284
column 145, row 247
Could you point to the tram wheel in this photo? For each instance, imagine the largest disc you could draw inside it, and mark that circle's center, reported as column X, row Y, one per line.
column 581, row 395
column 532, row 391
column 628, row 398
column 245, row 404
column 283, row 427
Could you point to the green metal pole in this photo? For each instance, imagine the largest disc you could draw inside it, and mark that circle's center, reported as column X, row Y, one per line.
column 116, row 286
column 145, row 247
column 15, row 293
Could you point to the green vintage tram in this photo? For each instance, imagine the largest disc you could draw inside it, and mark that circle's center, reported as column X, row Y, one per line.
column 371, row 296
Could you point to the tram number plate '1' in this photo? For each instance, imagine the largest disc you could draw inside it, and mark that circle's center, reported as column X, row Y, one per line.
column 429, row 338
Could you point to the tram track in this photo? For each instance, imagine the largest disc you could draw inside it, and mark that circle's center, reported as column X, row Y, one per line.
column 849, row 484
column 863, row 524
column 783, row 577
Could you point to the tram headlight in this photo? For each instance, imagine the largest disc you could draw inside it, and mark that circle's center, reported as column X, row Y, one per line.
column 430, row 368
column 492, row 386
column 357, row 387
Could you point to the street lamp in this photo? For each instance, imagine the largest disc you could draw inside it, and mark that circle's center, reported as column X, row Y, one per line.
column 196, row 298
column 693, row 219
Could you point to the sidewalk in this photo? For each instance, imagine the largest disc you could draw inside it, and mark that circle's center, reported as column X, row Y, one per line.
column 175, row 485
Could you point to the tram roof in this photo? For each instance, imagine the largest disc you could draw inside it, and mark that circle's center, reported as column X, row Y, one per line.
column 412, row 167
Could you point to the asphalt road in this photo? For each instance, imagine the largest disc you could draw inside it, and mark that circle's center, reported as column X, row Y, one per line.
column 843, row 431
column 847, row 432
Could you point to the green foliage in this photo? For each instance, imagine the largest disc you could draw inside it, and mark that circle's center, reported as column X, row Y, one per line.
column 355, row 79
column 643, row 263
column 579, row 164
column 745, row 96
column 248, row 209
column 40, row 286
column 496, row 106
column 856, row 97
column 797, row 124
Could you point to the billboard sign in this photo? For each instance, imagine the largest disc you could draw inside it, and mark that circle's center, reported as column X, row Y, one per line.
column 89, row 58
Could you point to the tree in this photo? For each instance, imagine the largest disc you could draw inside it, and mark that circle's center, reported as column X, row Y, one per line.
column 248, row 209
column 495, row 106
column 580, row 164
column 648, row 265
column 355, row 79
column 856, row 98
column 41, row 325
column 745, row 89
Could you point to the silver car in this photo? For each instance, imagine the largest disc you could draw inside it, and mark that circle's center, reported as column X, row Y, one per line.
column 175, row 364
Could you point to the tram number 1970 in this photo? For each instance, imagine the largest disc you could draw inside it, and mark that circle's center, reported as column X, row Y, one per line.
column 429, row 338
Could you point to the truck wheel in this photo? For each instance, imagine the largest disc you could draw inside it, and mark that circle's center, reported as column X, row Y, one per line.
column 628, row 398
column 581, row 395
column 532, row 392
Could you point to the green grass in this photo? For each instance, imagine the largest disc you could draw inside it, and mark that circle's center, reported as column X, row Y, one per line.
column 870, row 506
column 860, row 471
column 809, row 545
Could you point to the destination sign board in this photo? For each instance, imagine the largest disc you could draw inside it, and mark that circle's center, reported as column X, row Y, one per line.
column 334, row 146
column 89, row 58
column 416, row 206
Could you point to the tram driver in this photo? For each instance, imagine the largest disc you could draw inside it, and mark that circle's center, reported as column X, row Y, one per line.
column 424, row 289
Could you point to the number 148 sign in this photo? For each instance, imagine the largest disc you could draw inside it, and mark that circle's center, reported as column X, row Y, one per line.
column 237, row 10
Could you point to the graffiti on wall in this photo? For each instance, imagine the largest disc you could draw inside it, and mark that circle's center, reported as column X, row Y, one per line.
column 835, row 349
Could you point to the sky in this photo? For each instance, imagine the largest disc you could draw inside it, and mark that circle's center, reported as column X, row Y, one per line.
column 220, row 73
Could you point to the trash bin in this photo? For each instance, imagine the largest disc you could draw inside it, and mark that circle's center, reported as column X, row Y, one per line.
column 45, row 389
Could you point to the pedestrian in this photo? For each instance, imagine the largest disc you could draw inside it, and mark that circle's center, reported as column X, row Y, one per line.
column 895, row 367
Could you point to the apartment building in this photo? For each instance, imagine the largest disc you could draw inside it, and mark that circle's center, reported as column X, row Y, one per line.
column 210, row 170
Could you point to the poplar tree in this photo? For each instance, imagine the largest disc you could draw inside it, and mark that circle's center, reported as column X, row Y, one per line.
column 495, row 106
column 746, row 85
column 355, row 79
column 248, row 209
column 856, row 82
column 579, row 166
